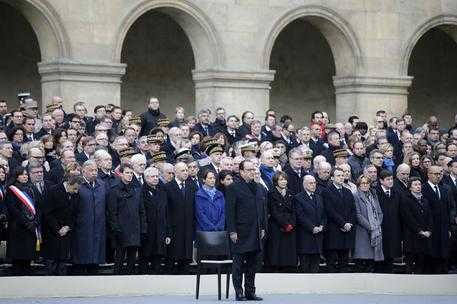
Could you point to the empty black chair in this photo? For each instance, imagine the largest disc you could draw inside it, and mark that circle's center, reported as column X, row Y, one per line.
column 213, row 251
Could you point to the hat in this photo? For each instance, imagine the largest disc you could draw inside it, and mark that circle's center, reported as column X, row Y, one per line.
column 29, row 103
column 308, row 154
column 250, row 146
column 214, row 148
column 152, row 139
column 159, row 157
column 127, row 152
column 207, row 141
column 135, row 120
column 51, row 107
column 183, row 153
column 340, row 153
column 163, row 122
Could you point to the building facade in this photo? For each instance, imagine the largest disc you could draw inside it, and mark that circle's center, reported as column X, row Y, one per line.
column 341, row 56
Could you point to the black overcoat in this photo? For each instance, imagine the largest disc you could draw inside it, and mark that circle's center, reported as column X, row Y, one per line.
column 281, row 245
column 155, row 206
column 22, row 225
column 416, row 217
column 310, row 214
column 58, row 211
column 340, row 209
column 441, row 220
column 125, row 215
column 181, row 219
column 294, row 181
column 391, row 223
column 246, row 215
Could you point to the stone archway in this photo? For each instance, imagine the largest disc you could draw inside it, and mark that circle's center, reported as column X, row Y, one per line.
column 191, row 39
column 34, row 34
column 429, row 57
column 336, row 40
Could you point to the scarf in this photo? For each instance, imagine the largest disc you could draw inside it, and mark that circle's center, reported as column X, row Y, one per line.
column 211, row 191
column 373, row 219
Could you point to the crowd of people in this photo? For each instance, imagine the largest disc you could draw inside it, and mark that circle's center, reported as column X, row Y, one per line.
column 133, row 189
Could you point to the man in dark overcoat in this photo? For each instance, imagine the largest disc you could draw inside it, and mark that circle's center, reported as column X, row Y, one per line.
column 89, row 233
column 57, row 224
column 439, row 201
column 126, row 219
column 311, row 222
column 389, row 200
column 339, row 237
column 181, row 201
column 295, row 172
column 246, row 224
column 153, row 246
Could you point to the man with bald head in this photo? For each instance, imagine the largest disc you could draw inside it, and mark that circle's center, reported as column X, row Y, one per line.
column 181, row 200
column 311, row 220
column 438, row 198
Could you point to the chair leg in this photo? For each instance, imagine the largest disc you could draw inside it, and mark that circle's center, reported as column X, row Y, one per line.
column 219, row 283
column 197, row 289
column 227, row 287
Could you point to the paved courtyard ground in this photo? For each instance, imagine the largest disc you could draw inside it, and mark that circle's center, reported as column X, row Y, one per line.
column 282, row 299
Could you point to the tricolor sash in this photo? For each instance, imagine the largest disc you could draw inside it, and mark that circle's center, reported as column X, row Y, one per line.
column 28, row 203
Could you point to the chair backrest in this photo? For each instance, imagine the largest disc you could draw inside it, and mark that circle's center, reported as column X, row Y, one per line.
column 212, row 243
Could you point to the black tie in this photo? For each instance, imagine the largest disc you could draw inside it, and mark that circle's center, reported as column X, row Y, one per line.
column 388, row 193
column 183, row 188
column 437, row 191
column 340, row 191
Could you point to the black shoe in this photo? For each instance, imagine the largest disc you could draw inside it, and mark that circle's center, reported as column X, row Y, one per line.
column 253, row 297
column 240, row 297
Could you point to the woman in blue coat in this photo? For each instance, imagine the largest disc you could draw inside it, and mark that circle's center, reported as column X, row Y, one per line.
column 209, row 205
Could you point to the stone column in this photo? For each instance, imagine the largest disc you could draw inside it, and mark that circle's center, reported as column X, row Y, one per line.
column 78, row 81
column 364, row 95
column 236, row 91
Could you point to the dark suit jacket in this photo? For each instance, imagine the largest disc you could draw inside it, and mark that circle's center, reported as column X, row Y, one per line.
column 340, row 209
column 81, row 158
column 440, row 208
column 246, row 215
column 310, row 214
column 199, row 128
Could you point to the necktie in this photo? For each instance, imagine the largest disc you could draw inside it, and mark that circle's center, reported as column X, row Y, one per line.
column 141, row 180
column 38, row 185
column 183, row 188
column 388, row 193
column 437, row 191
column 340, row 191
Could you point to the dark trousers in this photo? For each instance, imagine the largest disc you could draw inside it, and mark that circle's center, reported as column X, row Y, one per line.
column 56, row 267
column 337, row 260
column 21, row 267
column 386, row 266
column 437, row 266
column 364, row 265
column 309, row 263
column 247, row 263
column 85, row 269
column 150, row 264
column 119, row 257
column 415, row 262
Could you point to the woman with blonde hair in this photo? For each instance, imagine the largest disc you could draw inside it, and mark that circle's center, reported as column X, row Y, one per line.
column 368, row 237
